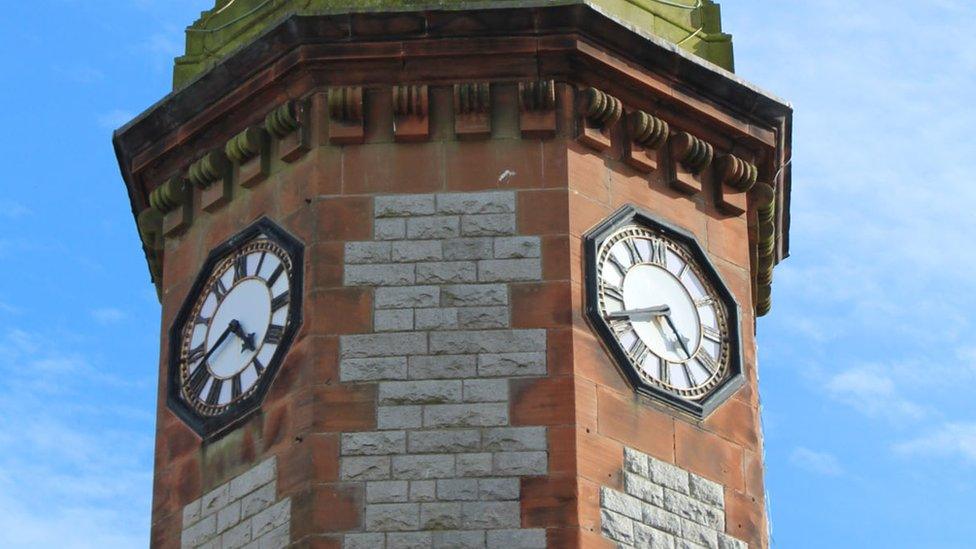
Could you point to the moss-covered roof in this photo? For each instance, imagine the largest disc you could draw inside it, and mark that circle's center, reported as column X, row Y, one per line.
column 231, row 24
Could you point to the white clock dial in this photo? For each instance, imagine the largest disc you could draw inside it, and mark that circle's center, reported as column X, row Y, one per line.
column 235, row 327
column 662, row 312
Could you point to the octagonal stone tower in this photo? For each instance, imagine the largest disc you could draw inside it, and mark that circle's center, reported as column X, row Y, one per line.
column 370, row 227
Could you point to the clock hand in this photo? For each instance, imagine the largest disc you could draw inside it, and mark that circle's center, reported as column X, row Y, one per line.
column 677, row 335
column 247, row 340
column 216, row 345
column 660, row 310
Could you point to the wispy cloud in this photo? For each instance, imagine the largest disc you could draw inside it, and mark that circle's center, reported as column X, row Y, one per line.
column 13, row 210
column 872, row 392
column 821, row 463
column 108, row 315
column 952, row 440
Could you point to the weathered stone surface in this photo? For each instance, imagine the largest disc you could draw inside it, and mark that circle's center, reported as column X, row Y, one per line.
column 363, row 541
column 443, row 367
column 521, row 539
column 381, row 345
column 518, row 247
column 424, row 466
column 388, row 491
column 372, row 369
column 367, row 252
column 365, row 468
column 404, row 205
column 469, row 248
column 491, row 514
column 466, row 415
column 521, row 463
column 416, row 250
column 475, row 295
column 407, row 297
column 642, row 488
column 621, row 503
column 425, row 228
column 485, row 390
column 694, row 510
column 668, row 475
column 440, row 516
column 476, row 203
column 437, row 319
column 390, row 229
column 419, row 392
column 392, row 517
column 380, row 274
column 399, row 417
column 514, row 439
column 482, row 318
column 616, row 526
column 487, row 341
column 499, row 488
column 396, row 320
column 374, row 443
column 488, row 225
column 707, row 491
column 509, row 270
column 457, row 489
column 449, row 440
column 512, row 364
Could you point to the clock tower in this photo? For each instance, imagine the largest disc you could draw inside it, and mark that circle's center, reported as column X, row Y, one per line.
column 459, row 274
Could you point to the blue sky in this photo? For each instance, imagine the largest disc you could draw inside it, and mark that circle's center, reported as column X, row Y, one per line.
column 868, row 360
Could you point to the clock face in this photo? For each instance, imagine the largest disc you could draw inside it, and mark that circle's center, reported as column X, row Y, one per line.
column 235, row 328
column 663, row 310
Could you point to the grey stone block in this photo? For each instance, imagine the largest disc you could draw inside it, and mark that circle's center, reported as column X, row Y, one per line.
column 416, row 250
column 422, row 467
column 726, row 541
column 512, row 364
column 694, row 510
column 491, row 514
column 521, row 463
column 407, row 297
column 697, row 533
column 528, row 538
column 636, row 462
column 393, row 320
column 459, row 539
column 404, row 205
column 374, row 443
column 277, row 515
column 258, row 500
column 661, row 519
column 514, row 439
column 399, row 417
column 253, row 478
column 437, row 319
column 449, row 440
column 487, row 341
column 367, row 252
column 641, row 488
column 706, row 491
column 476, row 203
column 466, row 415
column 191, row 513
column 468, row 248
column 279, row 538
column 214, row 500
column 419, row 392
column 228, row 516
column 199, row 533
column 477, row 318
column 501, row 489
column 509, row 270
column 390, row 229
column 423, row 490
column 650, row 538
column 616, row 526
column 621, row 503
column 440, row 516
column 457, row 489
column 442, row 367
column 409, row 540
column 428, row 228
column 380, row 274
column 380, row 345
column 363, row 541
column 450, row 272
column 474, row 295
column 518, row 247
column 485, row 390
column 388, row 491
column 238, row 536
column 488, row 225
column 474, row 465
column 668, row 475
column 364, row 468
column 372, row 369
column 392, row 517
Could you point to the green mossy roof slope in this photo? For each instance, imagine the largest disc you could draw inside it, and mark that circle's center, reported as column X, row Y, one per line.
column 232, row 24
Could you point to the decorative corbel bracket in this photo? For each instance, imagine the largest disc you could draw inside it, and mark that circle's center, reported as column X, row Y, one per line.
column 537, row 109
column 472, row 110
column 289, row 125
column 690, row 156
column 346, row 122
column 249, row 151
column 599, row 112
column 150, row 223
column 643, row 146
column 173, row 200
column 734, row 178
column 411, row 114
column 212, row 174
column 764, row 198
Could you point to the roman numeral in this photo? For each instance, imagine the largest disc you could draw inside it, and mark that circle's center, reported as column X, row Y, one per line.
column 201, row 320
column 704, row 301
column 684, row 267
column 240, row 267
column 235, row 388
column 258, row 367
column 213, row 397
column 712, row 333
column 219, row 289
column 635, row 255
column 620, row 326
column 688, row 375
column 274, row 334
column 665, row 372
column 707, row 362
column 260, row 263
column 616, row 265
column 277, row 272
column 659, row 253
column 279, row 301
column 197, row 380
column 196, row 353
column 638, row 352
column 614, row 293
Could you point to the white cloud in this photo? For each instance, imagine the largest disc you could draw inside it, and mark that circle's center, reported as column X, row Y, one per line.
column 821, row 463
column 13, row 210
column 108, row 315
column 952, row 440
column 115, row 119
column 872, row 392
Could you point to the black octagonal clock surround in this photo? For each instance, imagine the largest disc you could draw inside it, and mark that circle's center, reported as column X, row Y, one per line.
column 662, row 311
column 235, row 327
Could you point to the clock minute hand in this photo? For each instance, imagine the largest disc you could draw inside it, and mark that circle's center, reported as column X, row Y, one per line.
column 660, row 310
column 677, row 335
column 227, row 331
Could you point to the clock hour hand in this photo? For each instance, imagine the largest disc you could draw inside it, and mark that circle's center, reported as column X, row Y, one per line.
column 646, row 312
column 680, row 339
column 247, row 340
